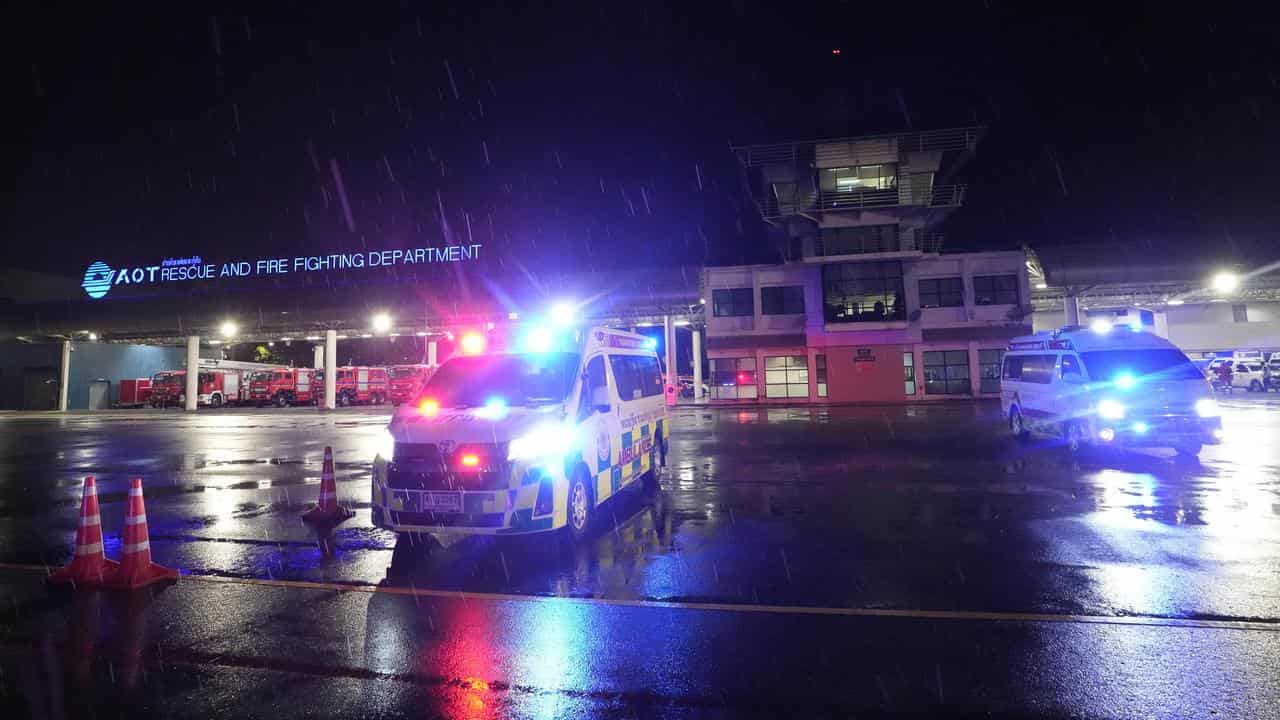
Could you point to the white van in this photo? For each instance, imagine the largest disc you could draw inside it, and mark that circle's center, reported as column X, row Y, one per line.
column 521, row 442
column 1107, row 386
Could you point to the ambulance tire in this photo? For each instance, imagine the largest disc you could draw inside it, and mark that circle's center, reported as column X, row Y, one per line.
column 1073, row 434
column 1018, row 426
column 580, row 508
column 649, row 483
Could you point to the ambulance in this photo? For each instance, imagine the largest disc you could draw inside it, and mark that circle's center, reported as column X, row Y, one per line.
column 532, row 439
column 1107, row 385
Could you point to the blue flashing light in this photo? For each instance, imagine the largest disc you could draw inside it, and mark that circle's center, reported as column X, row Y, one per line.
column 538, row 339
column 1140, row 428
column 651, row 343
column 1126, row 381
column 495, row 408
column 563, row 314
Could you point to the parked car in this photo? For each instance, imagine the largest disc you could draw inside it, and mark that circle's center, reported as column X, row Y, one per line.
column 1249, row 375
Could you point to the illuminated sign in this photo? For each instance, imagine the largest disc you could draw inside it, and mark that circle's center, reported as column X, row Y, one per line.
column 99, row 278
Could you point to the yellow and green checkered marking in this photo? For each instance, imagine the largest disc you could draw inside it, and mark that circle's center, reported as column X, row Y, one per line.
column 628, row 458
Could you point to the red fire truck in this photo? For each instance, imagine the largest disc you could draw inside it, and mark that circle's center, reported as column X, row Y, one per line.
column 284, row 386
column 217, row 387
column 135, row 392
column 165, row 389
column 363, row 385
column 405, row 381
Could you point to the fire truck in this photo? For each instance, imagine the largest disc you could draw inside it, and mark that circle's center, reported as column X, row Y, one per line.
column 356, row 385
column 217, row 387
column 285, row 386
column 405, row 380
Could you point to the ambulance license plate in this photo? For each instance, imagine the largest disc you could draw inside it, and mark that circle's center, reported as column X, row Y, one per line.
column 442, row 502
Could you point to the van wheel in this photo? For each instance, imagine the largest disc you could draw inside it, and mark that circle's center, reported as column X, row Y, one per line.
column 1018, row 426
column 579, row 509
column 1255, row 386
column 1074, row 434
column 649, row 483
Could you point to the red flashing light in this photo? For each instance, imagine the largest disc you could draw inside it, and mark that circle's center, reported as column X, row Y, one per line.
column 429, row 407
column 473, row 343
column 835, row 51
column 744, row 379
column 470, row 460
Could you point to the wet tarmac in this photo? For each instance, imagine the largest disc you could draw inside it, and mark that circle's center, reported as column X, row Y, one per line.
column 826, row 561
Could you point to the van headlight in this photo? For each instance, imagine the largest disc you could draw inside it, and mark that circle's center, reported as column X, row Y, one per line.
column 1111, row 410
column 1207, row 408
column 544, row 441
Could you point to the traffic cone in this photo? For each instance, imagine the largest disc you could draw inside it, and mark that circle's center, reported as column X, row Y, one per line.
column 327, row 510
column 136, row 569
column 89, row 566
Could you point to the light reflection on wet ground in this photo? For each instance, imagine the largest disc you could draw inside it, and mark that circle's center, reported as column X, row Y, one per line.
column 909, row 507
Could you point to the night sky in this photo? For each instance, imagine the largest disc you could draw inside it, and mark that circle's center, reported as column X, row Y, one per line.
column 598, row 136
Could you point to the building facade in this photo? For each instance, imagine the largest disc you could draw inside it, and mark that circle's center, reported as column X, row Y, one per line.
column 865, row 308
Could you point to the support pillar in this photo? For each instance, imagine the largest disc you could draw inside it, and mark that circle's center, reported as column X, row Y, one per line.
column 193, row 374
column 317, row 355
column 697, row 365
column 330, row 369
column 1071, row 306
column 431, row 353
column 669, row 349
column 64, row 376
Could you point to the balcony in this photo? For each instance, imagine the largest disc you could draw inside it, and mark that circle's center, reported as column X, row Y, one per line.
column 807, row 151
column 781, row 201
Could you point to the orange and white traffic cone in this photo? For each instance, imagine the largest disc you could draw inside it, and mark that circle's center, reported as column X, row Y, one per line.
column 89, row 566
column 327, row 510
column 136, row 569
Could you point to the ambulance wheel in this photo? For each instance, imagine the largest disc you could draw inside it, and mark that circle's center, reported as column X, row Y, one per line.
column 579, row 509
column 1018, row 426
column 1074, row 434
column 649, row 482
column 1255, row 386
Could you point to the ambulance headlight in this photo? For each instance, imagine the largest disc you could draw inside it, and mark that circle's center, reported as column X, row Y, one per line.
column 547, row 441
column 1207, row 408
column 1111, row 410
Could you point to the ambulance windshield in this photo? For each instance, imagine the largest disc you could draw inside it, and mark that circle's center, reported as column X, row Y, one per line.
column 526, row 379
column 1156, row 364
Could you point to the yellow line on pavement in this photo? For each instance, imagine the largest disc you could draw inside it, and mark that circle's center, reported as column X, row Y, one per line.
column 729, row 607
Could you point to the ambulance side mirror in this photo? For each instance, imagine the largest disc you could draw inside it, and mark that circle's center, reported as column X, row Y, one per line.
column 600, row 398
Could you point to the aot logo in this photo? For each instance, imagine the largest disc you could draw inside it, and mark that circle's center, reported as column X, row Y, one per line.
column 97, row 280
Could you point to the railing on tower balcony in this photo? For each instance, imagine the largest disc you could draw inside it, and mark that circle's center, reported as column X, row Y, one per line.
column 775, row 204
column 808, row 151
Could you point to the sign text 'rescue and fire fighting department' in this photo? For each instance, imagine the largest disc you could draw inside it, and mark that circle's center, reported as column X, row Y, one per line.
column 99, row 278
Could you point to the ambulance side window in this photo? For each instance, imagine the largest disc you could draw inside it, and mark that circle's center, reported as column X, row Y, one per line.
column 1070, row 366
column 593, row 378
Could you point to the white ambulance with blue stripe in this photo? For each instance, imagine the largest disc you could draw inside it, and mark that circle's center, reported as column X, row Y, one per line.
column 1107, row 385
column 529, row 440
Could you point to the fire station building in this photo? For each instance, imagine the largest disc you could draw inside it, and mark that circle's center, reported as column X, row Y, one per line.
column 865, row 307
